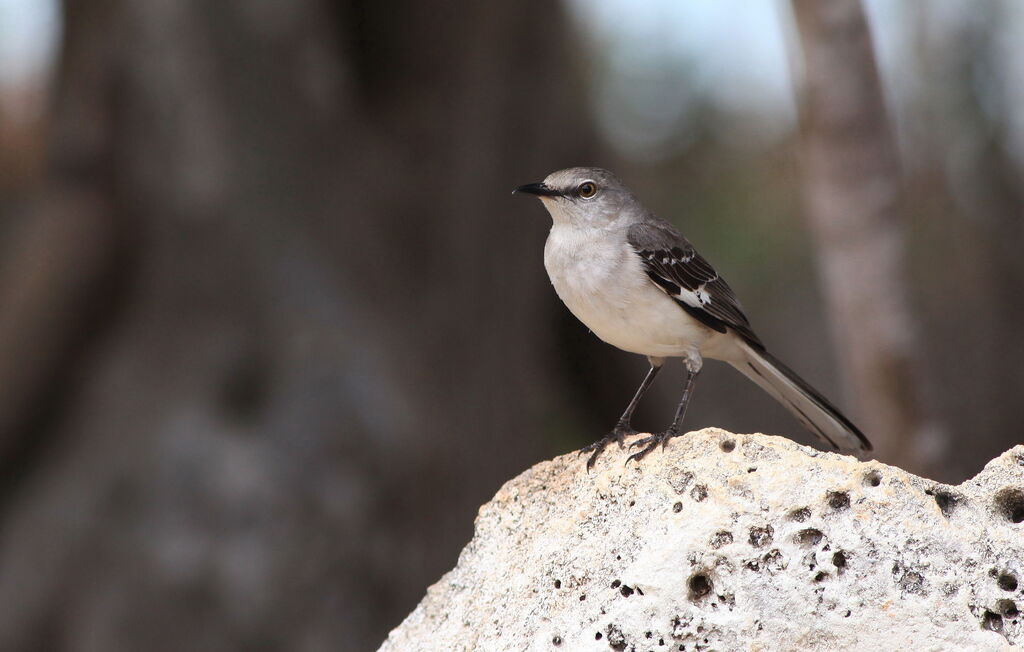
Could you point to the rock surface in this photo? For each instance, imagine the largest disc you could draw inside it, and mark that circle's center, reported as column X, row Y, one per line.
column 735, row 542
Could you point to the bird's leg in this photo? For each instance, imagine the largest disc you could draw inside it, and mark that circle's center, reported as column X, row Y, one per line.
column 623, row 428
column 693, row 365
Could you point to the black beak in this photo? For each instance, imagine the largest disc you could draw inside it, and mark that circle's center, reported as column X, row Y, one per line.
column 538, row 189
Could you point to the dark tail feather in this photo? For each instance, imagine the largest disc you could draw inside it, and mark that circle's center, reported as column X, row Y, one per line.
column 803, row 401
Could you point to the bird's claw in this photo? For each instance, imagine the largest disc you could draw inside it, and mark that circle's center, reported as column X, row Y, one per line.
column 649, row 444
column 617, row 435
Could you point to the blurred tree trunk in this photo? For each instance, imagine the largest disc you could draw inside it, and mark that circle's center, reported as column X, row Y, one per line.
column 326, row 339
column 852, row 192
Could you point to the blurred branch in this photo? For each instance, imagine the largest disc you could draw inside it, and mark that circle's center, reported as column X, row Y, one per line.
column 852, row 190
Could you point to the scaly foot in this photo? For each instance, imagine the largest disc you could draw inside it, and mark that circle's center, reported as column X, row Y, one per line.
column 618, row 435
column 650, row 443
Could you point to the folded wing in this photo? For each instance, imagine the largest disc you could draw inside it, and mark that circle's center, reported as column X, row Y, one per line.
column 674, row 265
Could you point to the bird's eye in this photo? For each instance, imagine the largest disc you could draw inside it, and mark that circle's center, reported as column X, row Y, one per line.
column 587, row 189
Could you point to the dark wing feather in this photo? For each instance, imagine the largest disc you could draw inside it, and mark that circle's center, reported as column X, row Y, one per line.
column 674, row 265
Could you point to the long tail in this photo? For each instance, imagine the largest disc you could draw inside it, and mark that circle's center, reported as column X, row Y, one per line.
column 806, row 403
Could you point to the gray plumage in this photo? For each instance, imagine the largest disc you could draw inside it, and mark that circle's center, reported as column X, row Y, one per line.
column 639, row 285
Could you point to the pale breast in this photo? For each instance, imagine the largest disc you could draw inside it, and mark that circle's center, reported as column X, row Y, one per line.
column 602, row 282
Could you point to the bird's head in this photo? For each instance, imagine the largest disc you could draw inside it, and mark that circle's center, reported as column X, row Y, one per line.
column 582, row 196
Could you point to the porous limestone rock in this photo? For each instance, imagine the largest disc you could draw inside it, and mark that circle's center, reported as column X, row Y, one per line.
column 735, row 542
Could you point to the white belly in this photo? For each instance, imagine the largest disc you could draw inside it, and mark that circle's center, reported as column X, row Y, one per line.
column 607, row 289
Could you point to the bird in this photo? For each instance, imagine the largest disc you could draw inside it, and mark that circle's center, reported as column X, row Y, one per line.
column 639, row 285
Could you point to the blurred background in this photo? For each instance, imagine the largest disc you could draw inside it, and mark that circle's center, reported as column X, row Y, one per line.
column 272, row 326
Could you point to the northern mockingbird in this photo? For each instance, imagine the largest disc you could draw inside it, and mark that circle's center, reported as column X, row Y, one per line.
column 639, row 285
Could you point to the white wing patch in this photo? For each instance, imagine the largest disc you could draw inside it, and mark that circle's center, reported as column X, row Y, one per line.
column 697, row 299
column 673, row 265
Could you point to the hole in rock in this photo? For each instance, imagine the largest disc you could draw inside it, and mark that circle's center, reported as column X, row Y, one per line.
column 912, row 582
column 1010, row 503
column 992, row 621
column 616, row 584
column 838, row 499
column 946, row 502
column 616, row 640
column 839, row 560
column 728, row 445
column 1007, row 582
column 700, row 585
column 761, row 536
column 809, row 537
column 800, row 515
column 721, row 538
column 558, row 584
column 872, row 479
column 678, row 507
column 944, row 499
column 1008, row 608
